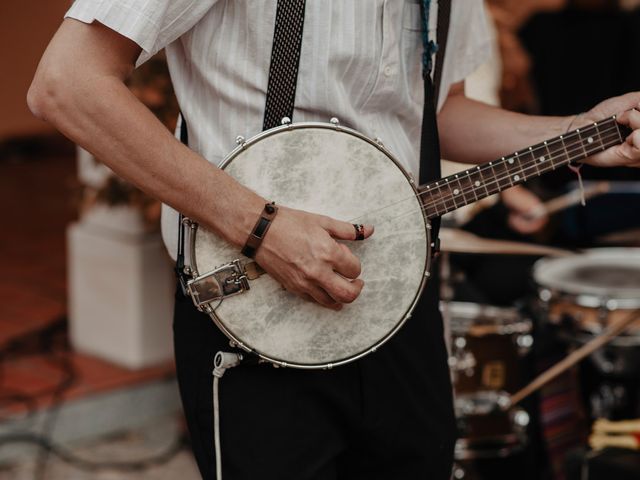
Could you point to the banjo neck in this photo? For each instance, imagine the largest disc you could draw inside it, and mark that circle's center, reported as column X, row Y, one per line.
column 463, row 188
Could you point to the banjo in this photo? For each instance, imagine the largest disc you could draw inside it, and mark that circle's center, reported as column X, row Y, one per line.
column 336, row 171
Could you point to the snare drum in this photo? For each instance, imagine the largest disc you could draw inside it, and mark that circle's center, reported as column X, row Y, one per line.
column 487, row 346
column 583, row 294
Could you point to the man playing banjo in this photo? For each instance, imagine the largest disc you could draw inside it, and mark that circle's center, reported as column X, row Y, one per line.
column 389, row 414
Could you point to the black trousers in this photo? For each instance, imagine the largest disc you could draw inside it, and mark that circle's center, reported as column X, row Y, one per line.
column 387, row 416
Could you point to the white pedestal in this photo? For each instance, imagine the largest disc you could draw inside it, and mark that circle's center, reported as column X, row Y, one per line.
column 121, row 290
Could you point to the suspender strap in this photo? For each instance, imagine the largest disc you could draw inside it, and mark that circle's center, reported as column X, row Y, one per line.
column 444, row 17
column 285, row 59
column 429, row 139
column 180, row 274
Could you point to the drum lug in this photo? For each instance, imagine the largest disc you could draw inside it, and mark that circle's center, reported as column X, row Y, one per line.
column 240, row 140
column 285, row 121
column 458, row 473
column 524, row 343
column 462, row 360
column 334, row 121
column 545, row 295
column 521, row 420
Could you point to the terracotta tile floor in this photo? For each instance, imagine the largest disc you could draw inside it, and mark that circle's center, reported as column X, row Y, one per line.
column 37, row 193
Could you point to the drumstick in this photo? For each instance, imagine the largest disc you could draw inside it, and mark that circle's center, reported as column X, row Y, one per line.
column 567, row 200
column 588, row 348
column 600, row 441
column 602, row 425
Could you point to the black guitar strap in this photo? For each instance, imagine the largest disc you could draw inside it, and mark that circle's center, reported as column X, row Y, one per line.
column 429, row 139
column 285, row 59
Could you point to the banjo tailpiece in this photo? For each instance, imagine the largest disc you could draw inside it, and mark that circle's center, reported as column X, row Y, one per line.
column 223, row 282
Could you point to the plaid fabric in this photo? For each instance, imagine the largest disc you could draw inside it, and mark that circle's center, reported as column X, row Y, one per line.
column 562, row 421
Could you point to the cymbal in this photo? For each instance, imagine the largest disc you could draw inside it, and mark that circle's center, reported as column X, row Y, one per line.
column 625, row 238
column 453, row 240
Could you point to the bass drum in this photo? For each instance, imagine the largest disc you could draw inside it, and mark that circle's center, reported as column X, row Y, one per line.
column 583, row 294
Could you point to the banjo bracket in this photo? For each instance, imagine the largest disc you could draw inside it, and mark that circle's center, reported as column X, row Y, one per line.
column 225, row 281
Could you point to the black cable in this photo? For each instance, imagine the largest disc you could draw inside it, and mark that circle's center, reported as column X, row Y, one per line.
column 47, row 340
column 67, row 381
column 93, row 465
column 37, row 342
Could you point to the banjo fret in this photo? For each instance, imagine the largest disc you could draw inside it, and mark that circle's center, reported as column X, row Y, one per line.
column 498, row 175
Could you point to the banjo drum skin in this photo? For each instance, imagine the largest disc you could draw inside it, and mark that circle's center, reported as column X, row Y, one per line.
column 331, row 170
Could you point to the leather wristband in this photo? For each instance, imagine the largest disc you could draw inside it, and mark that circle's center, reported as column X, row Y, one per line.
column 260, row 230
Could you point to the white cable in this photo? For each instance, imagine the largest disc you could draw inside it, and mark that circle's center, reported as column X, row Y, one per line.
column 221, row 362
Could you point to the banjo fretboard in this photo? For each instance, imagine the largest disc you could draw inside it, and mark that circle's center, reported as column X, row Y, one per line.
column 466, row 187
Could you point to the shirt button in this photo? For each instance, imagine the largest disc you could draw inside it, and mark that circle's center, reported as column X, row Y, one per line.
column 388, row 71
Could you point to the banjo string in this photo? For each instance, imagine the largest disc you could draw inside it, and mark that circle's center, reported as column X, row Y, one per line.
column 487, row 166
column 443, row 200
column 531, row 165
column 496, row 180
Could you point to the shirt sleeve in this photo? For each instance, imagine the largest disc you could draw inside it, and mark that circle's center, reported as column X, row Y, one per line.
column 469, row 43
column 152, row 24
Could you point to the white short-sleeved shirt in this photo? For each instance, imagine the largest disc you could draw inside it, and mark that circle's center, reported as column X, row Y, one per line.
column 360, row 62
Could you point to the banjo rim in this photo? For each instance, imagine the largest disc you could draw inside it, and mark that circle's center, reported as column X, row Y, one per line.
column 208, row 309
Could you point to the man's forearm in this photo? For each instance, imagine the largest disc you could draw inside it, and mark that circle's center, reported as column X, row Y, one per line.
column 474, row 132
column 96, row 110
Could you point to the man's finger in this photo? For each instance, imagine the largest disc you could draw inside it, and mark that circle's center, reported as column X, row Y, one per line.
column 631, row 118
column 346, row 263
column 323, row 298
column 341, row 289
column 347, row 231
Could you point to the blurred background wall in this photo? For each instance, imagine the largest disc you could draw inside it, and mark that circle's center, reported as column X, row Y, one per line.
column 25, row 29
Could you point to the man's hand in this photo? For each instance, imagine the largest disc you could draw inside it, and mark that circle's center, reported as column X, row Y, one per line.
column 626, row 108
column 301, row 252
column 523, row 207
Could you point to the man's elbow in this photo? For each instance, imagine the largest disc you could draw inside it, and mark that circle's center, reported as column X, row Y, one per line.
column 46, row 93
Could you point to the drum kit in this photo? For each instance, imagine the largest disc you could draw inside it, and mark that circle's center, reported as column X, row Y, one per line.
column 588, row 299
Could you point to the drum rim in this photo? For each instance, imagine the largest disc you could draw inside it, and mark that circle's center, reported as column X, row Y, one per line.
column 467, row 449
column 552, row 290
column 608, row 303
column 470, row 311
column 425, row 273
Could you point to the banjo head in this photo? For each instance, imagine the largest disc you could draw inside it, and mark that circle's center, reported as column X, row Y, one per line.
column 334, row 171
